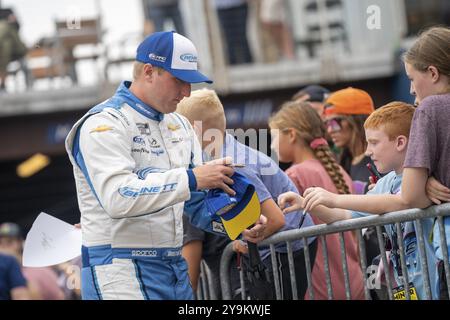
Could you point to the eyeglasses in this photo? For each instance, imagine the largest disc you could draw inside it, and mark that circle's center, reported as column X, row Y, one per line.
column 334, row 124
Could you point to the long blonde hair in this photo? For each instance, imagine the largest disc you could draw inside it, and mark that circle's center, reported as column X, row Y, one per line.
column 308, row 126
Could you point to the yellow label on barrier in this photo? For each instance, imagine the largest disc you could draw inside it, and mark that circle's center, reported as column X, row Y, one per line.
column 399, row 293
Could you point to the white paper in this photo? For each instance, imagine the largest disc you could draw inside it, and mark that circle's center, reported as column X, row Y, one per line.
column 51, row 241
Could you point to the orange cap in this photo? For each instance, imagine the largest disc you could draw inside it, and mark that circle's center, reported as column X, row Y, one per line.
column 349, row 101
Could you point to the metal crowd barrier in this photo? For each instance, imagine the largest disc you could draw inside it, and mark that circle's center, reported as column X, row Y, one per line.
column 339, row 227
column 206, row 289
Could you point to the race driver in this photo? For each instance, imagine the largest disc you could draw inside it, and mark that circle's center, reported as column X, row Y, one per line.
column 135, row 163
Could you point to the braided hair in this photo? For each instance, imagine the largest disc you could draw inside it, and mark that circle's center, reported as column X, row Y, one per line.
column 324, row 155
column 310, row 129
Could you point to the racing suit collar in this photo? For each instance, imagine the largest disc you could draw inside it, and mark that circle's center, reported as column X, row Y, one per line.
column 134, row 102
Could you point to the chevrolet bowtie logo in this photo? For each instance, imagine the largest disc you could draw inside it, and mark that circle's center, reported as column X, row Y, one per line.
column 101, row 128
column 173, row 127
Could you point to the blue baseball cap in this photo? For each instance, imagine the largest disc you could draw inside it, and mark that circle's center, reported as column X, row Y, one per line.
column 217, row 212
column 172, row 52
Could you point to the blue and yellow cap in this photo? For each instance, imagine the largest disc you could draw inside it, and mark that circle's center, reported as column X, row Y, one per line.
column 217, row 212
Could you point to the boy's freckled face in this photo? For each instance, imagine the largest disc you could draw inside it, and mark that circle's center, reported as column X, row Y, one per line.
column 382, row 151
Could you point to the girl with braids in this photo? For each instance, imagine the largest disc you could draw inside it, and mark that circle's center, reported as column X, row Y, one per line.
column 298, row 137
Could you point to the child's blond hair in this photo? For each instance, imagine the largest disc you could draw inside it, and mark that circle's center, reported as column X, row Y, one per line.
column 205, row 105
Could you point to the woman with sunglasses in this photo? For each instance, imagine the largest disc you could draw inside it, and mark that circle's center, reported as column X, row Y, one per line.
column 345, row 113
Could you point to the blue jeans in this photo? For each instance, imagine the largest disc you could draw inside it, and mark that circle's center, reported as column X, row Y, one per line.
column 234, row 27
column 161, row 13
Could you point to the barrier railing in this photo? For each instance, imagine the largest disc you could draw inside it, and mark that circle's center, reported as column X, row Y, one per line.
column 206, row 289
column 357, row 225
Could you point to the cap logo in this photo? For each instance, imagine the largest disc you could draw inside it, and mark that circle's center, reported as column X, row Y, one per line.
column 153, row 56
column 188, row 57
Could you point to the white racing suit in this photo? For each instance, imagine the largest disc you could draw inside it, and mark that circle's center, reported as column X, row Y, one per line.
column 132, row 171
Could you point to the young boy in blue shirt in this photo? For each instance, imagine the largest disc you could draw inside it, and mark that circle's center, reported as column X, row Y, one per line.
column 206, row 113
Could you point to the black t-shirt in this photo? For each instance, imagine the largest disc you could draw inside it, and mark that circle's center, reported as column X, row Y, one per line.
column 358, row 172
